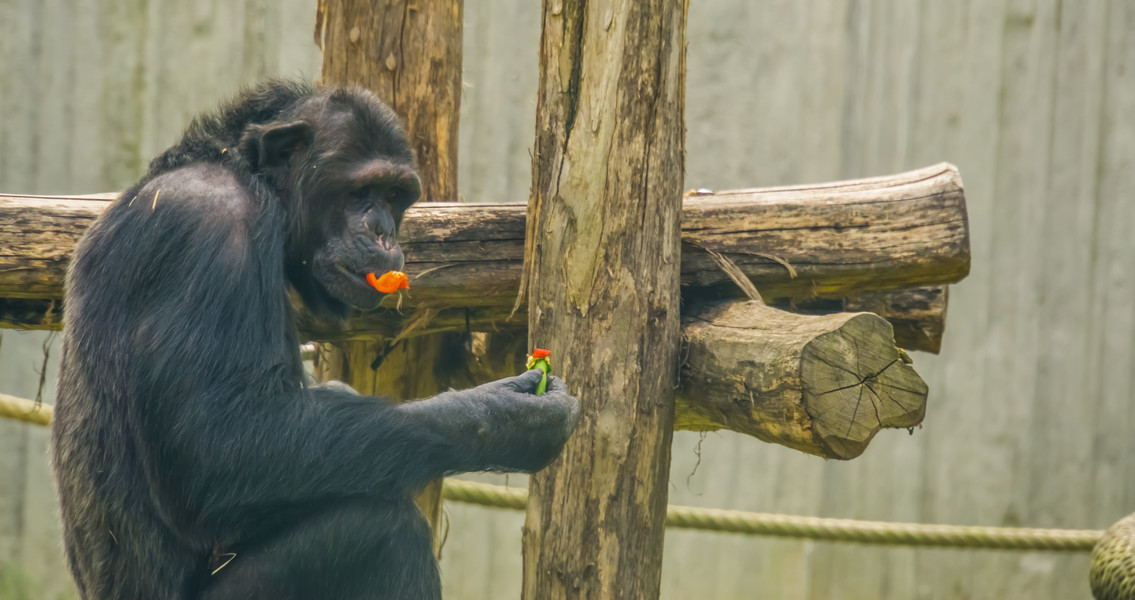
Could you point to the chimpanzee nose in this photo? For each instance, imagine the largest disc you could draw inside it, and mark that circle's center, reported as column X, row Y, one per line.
column 380, row 220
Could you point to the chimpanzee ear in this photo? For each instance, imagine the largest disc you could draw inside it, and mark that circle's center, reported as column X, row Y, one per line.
column 272, row 144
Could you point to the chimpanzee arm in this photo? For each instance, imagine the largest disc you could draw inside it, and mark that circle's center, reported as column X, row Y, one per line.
column 499, row 426
column 328, row 444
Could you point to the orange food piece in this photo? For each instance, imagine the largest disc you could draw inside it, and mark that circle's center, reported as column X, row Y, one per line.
column 389, row 282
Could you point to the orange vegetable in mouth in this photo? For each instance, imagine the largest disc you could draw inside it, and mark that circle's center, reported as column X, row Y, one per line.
column 389, row 282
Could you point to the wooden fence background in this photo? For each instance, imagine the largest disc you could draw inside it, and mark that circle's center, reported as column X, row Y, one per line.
column 1031, row 417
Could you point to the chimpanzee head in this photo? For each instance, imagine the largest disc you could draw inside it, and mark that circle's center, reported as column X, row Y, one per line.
column 340, row 162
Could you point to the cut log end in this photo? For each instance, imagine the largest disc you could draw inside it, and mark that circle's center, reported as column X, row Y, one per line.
column 820, row 384
column 855, row 382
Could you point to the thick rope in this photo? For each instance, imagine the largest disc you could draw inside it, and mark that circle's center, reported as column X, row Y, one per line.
column 816, row 528
column 735, row 521
column 878, row 532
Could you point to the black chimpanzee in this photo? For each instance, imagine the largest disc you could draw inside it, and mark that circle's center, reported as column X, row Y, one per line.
column 193, row 458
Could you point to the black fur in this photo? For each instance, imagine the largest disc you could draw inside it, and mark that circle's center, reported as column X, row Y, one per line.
column 186, row 437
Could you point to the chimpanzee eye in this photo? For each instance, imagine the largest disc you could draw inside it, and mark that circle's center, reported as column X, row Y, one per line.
column 378, row 193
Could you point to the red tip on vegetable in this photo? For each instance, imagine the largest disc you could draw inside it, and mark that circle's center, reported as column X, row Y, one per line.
column 541, row 353
column 389, row 282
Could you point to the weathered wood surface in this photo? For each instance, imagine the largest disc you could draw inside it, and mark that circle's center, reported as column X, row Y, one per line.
column 918, row 316
column 819, row 384
column 823, row 384
column 602, row 262
column 839, row 239
column 18, row 409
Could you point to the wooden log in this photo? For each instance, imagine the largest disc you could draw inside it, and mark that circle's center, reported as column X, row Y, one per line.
column 27, row 411
column 800, row 242
column 33, row 314
column 918, row 316
column 820, row 384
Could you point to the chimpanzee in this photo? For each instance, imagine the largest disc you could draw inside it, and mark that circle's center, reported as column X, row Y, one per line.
column 193, row 458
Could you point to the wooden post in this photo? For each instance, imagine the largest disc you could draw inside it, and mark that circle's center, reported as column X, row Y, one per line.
column 602, row 276
column 409, row 53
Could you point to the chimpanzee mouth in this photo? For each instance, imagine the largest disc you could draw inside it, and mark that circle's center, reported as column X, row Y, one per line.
column 346, row 280
column 348, row 286
column 357, row 276
column 352, row 273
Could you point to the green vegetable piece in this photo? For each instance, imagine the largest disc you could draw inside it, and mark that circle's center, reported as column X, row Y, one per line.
column 539, row 360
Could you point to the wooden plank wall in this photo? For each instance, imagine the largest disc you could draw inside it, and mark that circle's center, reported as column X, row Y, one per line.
column 89, row 91
column 1032, row 410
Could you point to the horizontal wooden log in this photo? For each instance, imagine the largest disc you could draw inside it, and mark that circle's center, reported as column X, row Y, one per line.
column 918, row 316
column 799, row 244
column 32, row 314
column 27, row 411
column 828, row 240
column 820, row 384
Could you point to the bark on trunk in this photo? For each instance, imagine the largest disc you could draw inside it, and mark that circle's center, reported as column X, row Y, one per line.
column 409, row 53
column 603, row 289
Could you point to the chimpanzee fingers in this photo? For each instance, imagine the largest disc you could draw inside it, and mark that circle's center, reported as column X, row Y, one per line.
column 555, row 384
column 525, row 383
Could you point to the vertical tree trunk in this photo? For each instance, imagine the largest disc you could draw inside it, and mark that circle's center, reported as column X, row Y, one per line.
column 408, row 52
column 603, row 255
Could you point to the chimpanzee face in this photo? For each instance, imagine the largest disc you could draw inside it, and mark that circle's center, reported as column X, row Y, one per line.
column 346, row 171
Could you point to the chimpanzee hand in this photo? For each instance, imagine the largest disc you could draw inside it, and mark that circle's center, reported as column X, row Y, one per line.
column 519, row 394
column 501, row 425
column 526, row 383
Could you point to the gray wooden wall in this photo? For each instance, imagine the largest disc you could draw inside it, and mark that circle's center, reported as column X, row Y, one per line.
column 1031, row 418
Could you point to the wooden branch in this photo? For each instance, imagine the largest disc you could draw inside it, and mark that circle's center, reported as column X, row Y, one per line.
column 27, row 411
column 33, row 314
column 918, row 316
column 826, row 240
column 822, row 384
column 37, row 236
column 841, row 240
